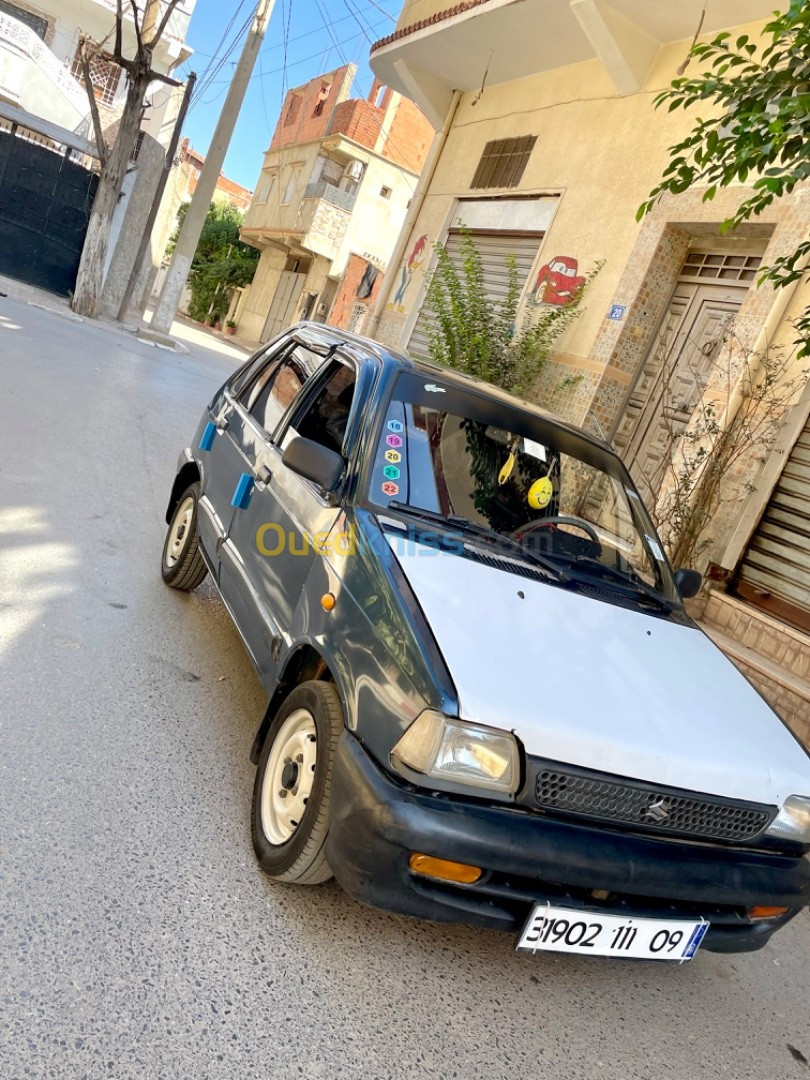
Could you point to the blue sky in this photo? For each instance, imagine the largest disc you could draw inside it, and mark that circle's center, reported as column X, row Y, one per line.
column 322, row 34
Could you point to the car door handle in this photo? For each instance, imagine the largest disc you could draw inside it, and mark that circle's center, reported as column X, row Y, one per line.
column 263, row 474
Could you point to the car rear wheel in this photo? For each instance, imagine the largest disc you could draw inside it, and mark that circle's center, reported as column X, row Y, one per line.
column 182, row 564
column 290, row 813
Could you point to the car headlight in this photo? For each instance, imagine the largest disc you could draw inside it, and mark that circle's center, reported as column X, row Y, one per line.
column 793, row 820
column 449, row 749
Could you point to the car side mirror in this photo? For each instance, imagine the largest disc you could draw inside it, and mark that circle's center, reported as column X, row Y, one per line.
column 314, row 462
column 688, row 582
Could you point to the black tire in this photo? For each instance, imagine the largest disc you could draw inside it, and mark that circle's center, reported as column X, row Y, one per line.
column 301, row 857
column 182, row 564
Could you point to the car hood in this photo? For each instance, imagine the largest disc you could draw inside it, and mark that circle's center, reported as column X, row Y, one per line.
column 591, row 684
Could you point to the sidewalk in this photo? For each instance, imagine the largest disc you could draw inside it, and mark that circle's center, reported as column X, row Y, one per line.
column 184, row 331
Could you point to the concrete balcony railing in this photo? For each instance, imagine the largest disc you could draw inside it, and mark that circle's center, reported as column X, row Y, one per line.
column 176, row 28
column 323, row 189
column 33, row 78
column 323, row 221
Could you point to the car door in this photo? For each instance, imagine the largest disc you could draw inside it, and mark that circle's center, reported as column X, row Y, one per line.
column 219, row 450
column 277, row 537
column 248, row 582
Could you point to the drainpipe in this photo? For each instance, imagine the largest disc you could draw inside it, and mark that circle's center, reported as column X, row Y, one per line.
column 418, row 201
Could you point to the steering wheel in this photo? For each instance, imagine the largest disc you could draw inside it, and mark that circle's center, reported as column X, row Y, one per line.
column 561, row 519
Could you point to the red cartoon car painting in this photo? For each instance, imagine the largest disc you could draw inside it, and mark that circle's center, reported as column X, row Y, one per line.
column 558, row 282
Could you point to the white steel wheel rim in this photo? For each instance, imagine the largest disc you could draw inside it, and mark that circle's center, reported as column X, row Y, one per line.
column 288, row 777
column 178, row 533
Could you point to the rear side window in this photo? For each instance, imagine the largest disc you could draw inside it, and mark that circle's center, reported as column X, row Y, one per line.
column 277, row 385
column 326, row 418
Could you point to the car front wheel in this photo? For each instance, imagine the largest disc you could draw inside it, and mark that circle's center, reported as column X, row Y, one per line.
column 290, row 814
column 182, row 564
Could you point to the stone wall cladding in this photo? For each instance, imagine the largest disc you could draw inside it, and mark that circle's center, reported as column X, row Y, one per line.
column 565, row 388
column 775, row 642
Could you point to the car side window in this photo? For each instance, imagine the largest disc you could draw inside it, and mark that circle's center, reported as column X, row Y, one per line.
column 325, row 419
column 261, row 360
column 269, row 397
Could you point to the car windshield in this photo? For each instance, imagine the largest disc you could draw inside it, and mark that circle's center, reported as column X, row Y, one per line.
column 449, row 454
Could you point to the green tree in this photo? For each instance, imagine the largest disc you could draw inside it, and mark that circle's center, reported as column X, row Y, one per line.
column 486, row 338
column 762, row 129
column 221, row 262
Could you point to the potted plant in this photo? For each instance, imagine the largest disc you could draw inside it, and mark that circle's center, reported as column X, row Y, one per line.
column 230, row 327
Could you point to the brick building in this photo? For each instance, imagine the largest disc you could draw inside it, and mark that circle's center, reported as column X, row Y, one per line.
column 226, row 191
column 330, row 202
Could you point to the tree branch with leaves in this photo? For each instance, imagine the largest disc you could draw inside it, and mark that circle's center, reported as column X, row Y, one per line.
column 761, row 130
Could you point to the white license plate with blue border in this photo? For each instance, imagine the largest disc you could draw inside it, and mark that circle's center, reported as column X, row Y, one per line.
column 584, row 933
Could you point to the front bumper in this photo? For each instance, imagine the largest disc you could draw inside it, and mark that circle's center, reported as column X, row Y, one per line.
column 529, row 858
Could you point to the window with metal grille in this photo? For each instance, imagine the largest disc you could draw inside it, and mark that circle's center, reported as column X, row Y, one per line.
column 721, row 267
column 503, row 162
column 104, row 75
column 27, row 18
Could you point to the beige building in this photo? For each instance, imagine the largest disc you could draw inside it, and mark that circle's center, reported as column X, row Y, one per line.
column 40, row 69
column 547, row 142
column 334, row 188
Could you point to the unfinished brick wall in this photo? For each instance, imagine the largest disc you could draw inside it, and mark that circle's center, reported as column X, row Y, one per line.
column 409, row 137
column 307, row 110
column 346, row 297
column 358, row 120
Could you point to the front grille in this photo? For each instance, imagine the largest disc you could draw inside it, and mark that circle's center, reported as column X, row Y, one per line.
column 650, row 808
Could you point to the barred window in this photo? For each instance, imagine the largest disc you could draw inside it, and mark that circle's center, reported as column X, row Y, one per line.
column 104, row 75
column 503, row 162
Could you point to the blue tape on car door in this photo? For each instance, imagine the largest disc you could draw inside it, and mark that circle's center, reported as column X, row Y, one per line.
column 208, row 436
column 243, row 493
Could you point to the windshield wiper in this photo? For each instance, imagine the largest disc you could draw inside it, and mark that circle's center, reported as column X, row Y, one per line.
column 632, row 582
column 470, row 528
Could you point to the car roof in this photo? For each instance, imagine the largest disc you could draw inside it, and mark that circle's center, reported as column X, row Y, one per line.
column 393, row 358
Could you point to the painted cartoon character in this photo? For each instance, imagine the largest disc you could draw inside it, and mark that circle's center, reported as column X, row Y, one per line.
column 413, row 262
column 558, row 283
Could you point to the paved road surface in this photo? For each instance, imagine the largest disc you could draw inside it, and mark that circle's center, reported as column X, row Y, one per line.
column 138, row 939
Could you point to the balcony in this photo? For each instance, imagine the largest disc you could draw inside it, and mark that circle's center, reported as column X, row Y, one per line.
column 437, row 47
column 176, row 28
column 331, row 194
column 34, row 79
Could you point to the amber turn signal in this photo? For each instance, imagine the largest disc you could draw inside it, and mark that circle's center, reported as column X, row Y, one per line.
column 444, row 869
column 328, row 601
column 762, row 912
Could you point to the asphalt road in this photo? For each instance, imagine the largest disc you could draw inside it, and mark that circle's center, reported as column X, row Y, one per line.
column 138, row 938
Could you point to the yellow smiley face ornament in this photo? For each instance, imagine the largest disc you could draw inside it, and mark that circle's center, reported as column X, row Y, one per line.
column 540, row 494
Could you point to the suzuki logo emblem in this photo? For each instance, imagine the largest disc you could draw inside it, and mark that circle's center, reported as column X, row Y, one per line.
column 658, row 810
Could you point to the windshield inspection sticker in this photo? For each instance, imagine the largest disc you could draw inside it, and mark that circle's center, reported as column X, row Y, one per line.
column 432, row 388
column 390, row 489
column 396, row 426
column 654, row 548
column 534, row 449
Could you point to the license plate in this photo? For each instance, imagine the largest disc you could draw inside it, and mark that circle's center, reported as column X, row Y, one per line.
column 586, row 934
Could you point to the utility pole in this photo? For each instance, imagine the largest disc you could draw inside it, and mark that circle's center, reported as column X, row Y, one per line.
column 198, row 208
column 146, row 239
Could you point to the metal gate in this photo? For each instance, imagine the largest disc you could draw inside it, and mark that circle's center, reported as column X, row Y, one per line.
column 678, row 367
column 494, row 249
column 45, row 203
column 775, row 573
column 285, row 301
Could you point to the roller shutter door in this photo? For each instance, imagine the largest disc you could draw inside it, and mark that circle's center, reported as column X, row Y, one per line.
column 495, row 248
column 775, row 573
